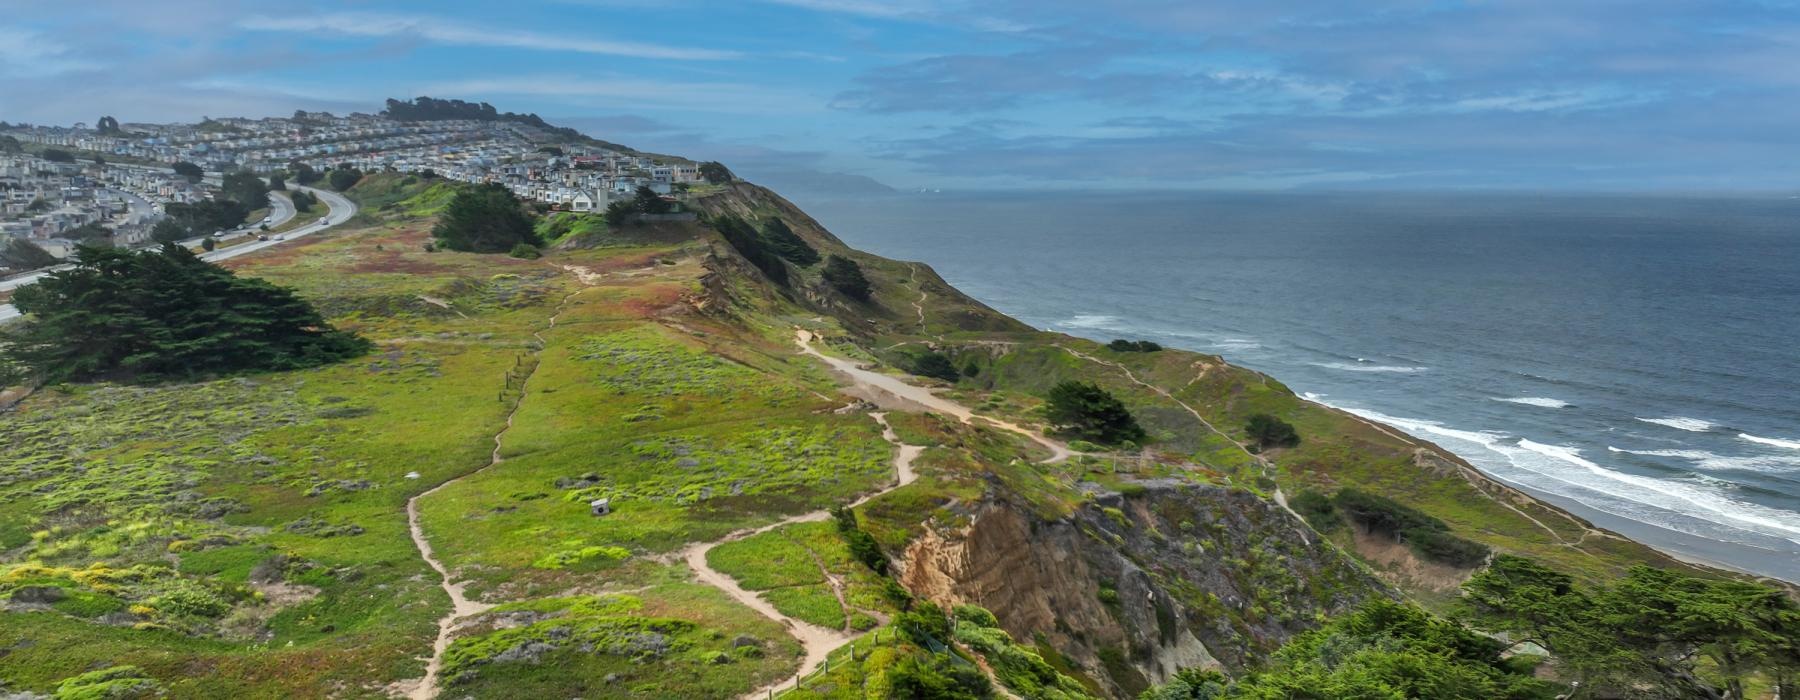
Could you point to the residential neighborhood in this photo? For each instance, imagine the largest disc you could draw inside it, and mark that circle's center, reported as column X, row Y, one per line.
column 119, row 175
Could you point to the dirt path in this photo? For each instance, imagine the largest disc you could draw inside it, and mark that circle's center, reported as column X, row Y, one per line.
column 817, row 641
column 919, row 305
column 923, row 396
column 461, row 606
column 1262, row 462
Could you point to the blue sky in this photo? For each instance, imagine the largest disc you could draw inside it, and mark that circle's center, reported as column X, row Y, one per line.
column 1270, row 94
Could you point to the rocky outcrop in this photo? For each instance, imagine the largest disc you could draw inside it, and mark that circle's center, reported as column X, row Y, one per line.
column 1133, row 587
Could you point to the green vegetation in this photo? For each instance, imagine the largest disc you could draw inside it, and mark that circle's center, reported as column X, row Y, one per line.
column 303, row 201
column 484, row 218
column 716, row 173
column 57, row 155
column 845, row 276
column 1382, row 650
column 934, row 364
column 343, row 178
column 1427, row 536
column 192, row 172
column 165, row 313
column 186, row 220
column 750, row 244
column 1087, row 412
column 1018, row 667
column 22, row 254
column 1653, row 634
column 246, row 189
column 1268, row 431
column 1133, row 346
column 786, row 244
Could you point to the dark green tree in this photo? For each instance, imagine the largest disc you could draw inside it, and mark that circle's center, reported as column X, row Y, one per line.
column 748, row 243
column 484, row 218
column 246, row 189
column 1087, row 412
column 209, row 244
column 164, row 313
column 936, row 365
column 9, row 144
column 57, row 155
column 715, row 172
column 277, row 183
column 787, row 244
column 649, row 202
column 88, row 232
column 844, row 275
column 20, row 254
column 344, row 178
column 937, row 677
column 169, row 230
column 192, row 172
column 1269, row 431
column 108, row 126
column 304, row 174
column 303, row 200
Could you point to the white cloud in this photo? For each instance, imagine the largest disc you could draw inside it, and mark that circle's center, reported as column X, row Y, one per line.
column 723, row 98
column 365, row 24
column 28, row 54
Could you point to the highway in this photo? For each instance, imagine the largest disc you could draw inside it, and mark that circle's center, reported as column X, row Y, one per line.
column 341, row 211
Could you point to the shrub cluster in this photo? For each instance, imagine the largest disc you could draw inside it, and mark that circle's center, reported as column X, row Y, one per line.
column 1427, row 536
column 1122, row 345
column 1269, row 431
column 862, row 544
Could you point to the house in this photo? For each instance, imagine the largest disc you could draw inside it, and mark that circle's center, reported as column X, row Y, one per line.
column 589, row 201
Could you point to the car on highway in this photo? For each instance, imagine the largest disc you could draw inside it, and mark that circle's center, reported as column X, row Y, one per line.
column 323, row 220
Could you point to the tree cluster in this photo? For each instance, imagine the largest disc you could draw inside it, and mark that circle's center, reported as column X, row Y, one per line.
column 192, row 172
column 844, row 275
column 425, row 109
column 1087, row 412
column 715, row 172
column 185, row 220
column 1427, row 536
column 343, row 178
column 787, row 244
column 164, row 313
column 1653, row 634
column 1269, row 431
column 749, row 243
column 484, row 218
column 1385, row 649
column 108, row 126
column 57, row 155
column 934, row 364
column 246, row 189
column 303, row 201
column 1122, row 345
column 19, row 255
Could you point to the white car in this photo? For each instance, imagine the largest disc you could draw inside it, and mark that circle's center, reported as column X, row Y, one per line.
column 323, row 220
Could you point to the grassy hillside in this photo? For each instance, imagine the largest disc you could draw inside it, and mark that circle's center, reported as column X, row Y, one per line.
column 248, row 536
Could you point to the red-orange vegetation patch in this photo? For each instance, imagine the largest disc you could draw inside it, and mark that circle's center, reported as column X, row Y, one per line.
column 652, row 300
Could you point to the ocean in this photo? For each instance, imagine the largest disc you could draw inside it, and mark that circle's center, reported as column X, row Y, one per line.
column 1635, row 359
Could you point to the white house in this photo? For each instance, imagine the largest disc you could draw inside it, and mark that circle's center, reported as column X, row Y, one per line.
column 589, row 201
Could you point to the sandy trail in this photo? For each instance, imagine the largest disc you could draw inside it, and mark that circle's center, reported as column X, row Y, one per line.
column 818, row 641
column 922, row 396
column 461, row 606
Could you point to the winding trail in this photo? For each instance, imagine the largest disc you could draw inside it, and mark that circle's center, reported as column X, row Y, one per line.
column 461, row 606
column 922, row 396
column 1281, row 498
column 919, row 305
column 817, row 641
column 1263, row 462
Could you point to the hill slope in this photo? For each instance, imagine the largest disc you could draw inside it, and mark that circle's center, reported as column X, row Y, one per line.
column 312, row 533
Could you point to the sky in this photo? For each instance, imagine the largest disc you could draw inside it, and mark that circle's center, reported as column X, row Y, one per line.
column 1553, row 95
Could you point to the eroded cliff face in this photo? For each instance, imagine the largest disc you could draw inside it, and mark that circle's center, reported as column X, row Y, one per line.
column 1131, row 588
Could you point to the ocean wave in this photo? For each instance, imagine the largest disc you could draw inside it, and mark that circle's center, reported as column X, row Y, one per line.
column 1693, row 425
column 1538, row 401
column 1096, row 321
column 1675, row 496
column 1787, row 444
column 1656, row 501
column 1236, row 344
column 1362, row 365
column 1717, row 462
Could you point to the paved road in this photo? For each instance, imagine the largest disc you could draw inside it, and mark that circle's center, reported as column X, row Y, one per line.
column 341, row 210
